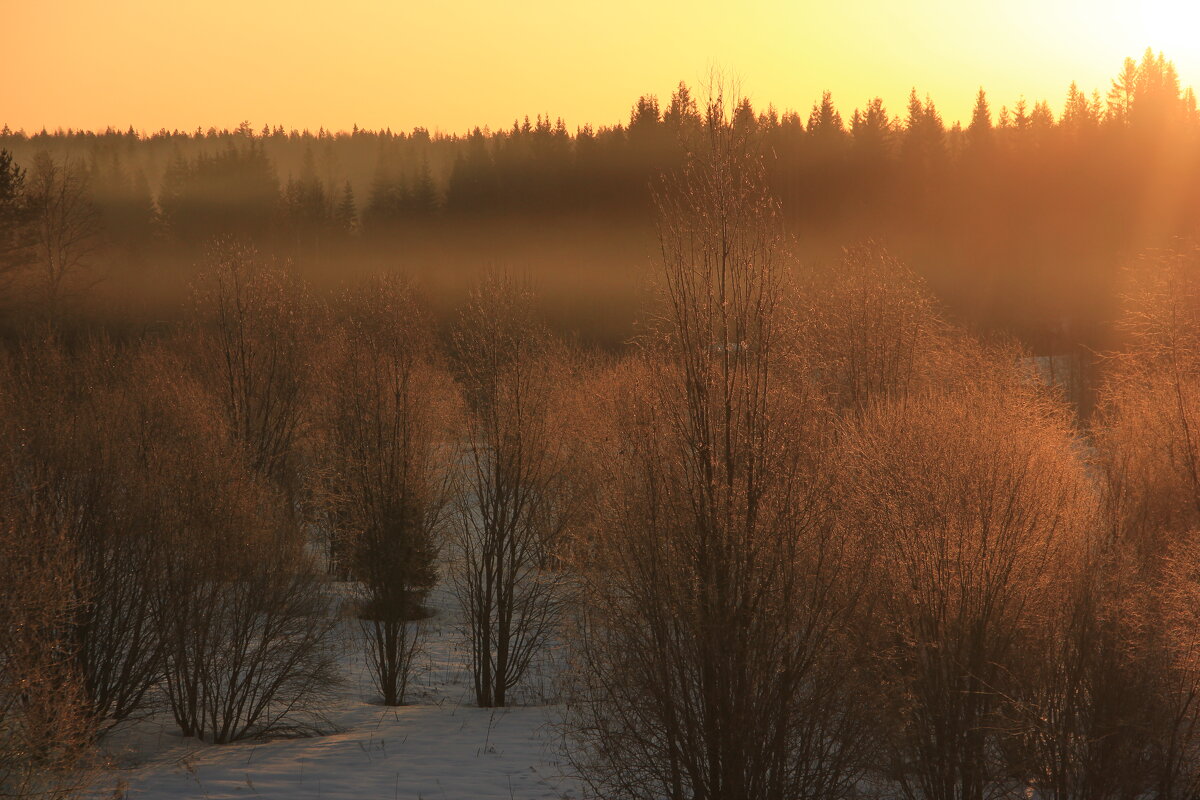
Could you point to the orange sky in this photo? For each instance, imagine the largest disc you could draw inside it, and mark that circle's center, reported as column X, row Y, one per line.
column 450, row 66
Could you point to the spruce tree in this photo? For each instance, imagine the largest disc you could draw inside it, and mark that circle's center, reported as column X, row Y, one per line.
column 13, row 215
column 979, row 132
column 346, row 215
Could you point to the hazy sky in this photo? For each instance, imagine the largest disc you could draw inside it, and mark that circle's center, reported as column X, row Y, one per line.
column 450, row 66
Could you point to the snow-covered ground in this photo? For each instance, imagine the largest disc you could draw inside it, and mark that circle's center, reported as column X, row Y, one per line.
column 439, row 747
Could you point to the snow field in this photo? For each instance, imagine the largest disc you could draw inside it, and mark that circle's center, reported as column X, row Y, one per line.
column 439, row 747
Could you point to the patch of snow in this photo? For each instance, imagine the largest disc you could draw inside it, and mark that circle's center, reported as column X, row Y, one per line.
column 440, row 747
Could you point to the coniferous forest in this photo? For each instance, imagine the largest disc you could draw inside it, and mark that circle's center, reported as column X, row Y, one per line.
column 1020, row 219
column 763, row 455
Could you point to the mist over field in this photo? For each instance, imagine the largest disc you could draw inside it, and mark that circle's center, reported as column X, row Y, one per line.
column 1020, row 218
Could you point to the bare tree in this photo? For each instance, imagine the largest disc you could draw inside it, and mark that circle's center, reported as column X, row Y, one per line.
column 507, row 508
column 15, row 230
column 67, row 232
column 712, row 653
column 253, row 345
column 386, row 423
column 1148, row 438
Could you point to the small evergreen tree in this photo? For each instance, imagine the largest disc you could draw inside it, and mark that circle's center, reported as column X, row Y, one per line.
column 346, row 215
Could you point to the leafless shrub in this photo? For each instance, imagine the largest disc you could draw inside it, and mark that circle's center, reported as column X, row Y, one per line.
column 1175, row 736
column 86, row 433
column 246, row 623
column 1149, row 425
column 249, row 650
column 386, row 443
column 243, row 619
column 1146, row 434
column 979, row 509
column 44, row 727
column 45, row 730
column 508, row 508
column 177, row 549
column 1077, row 714
column 868, row 328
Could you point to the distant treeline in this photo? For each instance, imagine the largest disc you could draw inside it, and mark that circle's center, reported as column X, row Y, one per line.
column 1021, row 203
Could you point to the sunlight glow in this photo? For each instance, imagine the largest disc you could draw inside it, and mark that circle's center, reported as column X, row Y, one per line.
column 379, row 63
column 1172, row 25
